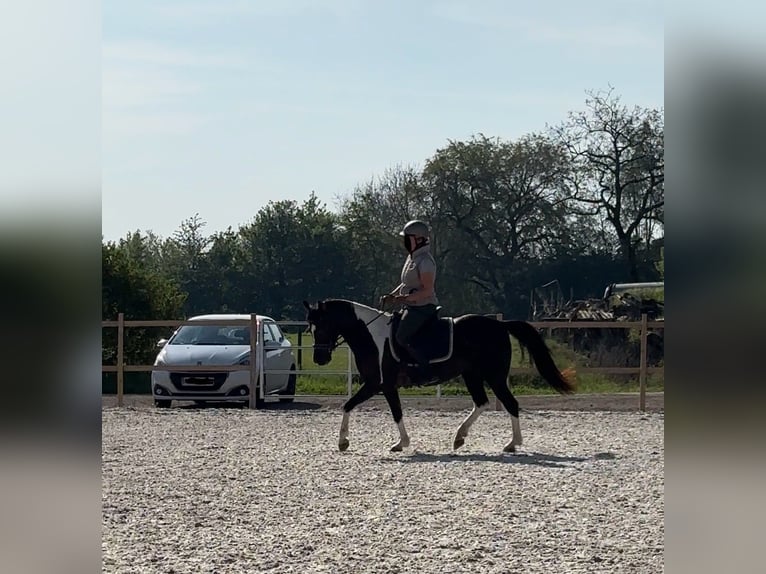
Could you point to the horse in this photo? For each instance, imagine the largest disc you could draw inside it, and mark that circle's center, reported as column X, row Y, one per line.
column 475, row 347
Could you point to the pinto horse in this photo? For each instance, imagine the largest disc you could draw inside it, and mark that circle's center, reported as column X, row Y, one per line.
column 475, row 347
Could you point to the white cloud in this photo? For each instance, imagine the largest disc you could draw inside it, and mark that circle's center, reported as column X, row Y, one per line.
column 148, row 87
column 204, row 11
column 161, row 55
column 593, row 36
column 131, row 88
column 499, row 17
column 196, row 10
column 155, row 124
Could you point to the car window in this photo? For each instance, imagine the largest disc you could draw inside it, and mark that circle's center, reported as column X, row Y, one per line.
column 240, row 335
column 267, row 335
column 276, row 333
column 210, row 335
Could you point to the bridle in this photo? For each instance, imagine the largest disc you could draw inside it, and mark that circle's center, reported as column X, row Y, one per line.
column 330, row 347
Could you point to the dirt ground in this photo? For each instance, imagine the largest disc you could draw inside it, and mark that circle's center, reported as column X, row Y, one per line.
column 188, row 490
column 655, row 402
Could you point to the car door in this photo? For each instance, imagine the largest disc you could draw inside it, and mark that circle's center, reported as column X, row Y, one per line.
column 275, row 358
column 286, row 356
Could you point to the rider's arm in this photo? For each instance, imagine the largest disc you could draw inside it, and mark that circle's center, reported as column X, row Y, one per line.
column 427, row 289
column 393, row 294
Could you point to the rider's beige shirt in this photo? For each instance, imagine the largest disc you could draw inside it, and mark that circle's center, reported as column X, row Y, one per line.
column 419, row 261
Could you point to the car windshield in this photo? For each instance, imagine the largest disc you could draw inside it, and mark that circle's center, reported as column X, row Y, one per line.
column 211, row 335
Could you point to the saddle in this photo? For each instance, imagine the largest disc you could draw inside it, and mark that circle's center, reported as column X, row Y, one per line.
column 434, row 339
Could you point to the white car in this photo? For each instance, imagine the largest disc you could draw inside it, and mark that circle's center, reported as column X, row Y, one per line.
column 208, row 344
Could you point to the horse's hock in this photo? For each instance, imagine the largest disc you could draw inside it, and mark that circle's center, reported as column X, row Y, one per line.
column 229, row 490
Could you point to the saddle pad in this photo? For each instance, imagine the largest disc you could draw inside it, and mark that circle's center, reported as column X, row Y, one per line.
column 435, row 340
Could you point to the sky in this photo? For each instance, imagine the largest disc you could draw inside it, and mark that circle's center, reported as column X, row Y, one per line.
column 217, row 107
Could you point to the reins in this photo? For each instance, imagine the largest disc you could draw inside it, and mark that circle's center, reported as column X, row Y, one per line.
column 339, row 339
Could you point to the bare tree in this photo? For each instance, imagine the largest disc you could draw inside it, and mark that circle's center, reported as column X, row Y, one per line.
column 619, row 174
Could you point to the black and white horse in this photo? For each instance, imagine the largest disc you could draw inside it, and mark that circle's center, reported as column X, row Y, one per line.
column 475, row 347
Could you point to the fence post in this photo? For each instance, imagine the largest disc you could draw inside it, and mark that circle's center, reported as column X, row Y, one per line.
column 300, row 350
column 642, row 372
column 261, row 362
column 120, row 357
column 498, row 404
column 253, row 356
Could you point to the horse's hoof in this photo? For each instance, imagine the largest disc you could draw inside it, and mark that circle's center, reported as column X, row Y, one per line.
column 458, row 443
column 510, row 448
column 343, row 445
column 396, row 448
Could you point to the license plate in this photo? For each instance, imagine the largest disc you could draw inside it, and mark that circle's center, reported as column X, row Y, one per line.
column 199, row 381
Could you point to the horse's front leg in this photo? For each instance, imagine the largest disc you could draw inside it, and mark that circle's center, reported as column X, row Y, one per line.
column 366, row 391
column 395, row 404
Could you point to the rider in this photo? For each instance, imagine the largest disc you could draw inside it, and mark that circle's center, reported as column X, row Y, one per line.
column 416, row 291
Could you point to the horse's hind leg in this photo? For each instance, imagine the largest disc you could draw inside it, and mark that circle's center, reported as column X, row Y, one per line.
column 475, row 385
column 395, row 404
column 499, row 386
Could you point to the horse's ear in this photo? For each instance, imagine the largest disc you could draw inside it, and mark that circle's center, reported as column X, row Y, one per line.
column 306, row 304
column 321, row 305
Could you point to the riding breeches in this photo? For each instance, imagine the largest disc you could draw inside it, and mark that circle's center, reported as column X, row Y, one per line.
column 413, row 318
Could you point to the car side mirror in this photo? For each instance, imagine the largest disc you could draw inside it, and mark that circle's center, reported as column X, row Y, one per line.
column 161, row 343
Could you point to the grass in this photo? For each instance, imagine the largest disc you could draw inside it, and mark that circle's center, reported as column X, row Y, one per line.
column 324, row 383
column 521, row 384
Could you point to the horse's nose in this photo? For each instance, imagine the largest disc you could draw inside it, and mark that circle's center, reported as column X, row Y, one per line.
column 321, row 358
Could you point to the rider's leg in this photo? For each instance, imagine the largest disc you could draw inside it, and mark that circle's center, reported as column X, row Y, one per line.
column 413, row 319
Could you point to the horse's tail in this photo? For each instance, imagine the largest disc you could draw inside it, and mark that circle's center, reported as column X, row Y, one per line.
column 528, row 336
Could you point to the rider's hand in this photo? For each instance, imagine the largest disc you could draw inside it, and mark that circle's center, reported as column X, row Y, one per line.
column 386, row 299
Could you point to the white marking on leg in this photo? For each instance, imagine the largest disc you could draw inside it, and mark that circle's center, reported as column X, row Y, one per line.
column 404, row 438
column 344, row 425
column 516, row 440
column 343, row 435
column 466, row 425
column 377, row 324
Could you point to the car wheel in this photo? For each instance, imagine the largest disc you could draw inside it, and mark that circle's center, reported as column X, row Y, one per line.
column 162, row 404
column 290, row 389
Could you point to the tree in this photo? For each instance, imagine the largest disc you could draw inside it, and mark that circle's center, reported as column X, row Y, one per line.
column 502, row 207
column 183, row 260
column 619, row 173
column 221, row 274
column 129, row 287
column 372, row 217
column 294, row 252
column 145, row 250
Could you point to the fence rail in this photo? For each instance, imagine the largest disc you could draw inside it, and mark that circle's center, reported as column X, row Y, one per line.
column 258, row 350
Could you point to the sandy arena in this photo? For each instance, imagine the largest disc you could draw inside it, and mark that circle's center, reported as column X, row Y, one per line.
column 233, row 490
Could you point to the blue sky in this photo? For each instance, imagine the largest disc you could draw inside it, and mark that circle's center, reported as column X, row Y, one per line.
column 218, row 106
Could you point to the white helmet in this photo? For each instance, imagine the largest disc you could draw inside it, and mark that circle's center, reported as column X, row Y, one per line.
column 416, row 228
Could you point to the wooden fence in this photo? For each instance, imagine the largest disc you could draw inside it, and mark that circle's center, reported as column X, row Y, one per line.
column 643, row 370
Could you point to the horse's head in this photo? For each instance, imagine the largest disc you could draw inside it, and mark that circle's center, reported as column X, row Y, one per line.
column 325, row 330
